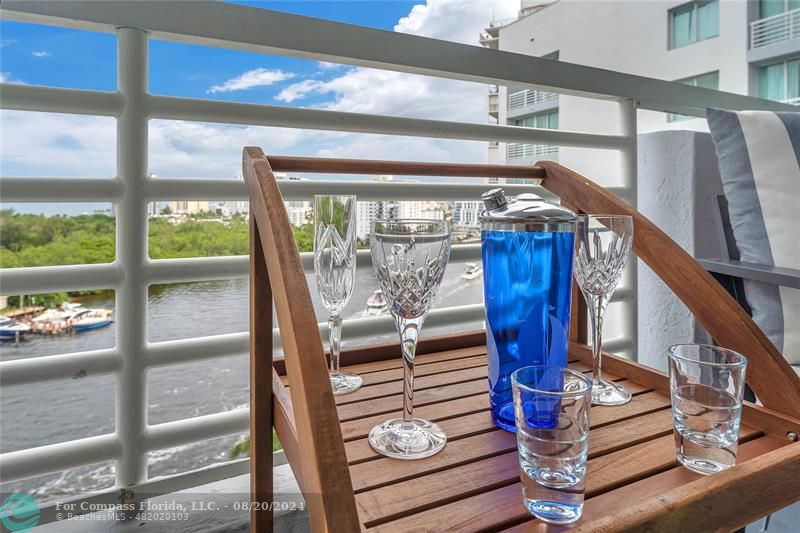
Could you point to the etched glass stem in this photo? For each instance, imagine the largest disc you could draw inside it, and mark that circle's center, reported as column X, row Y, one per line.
column 597, row 309
column 409, row 333
column 335, row 331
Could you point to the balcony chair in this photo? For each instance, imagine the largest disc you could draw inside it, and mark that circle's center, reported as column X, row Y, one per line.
column 634, row 481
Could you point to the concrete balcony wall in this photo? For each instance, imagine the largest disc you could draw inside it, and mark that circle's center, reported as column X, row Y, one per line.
column 678, row 179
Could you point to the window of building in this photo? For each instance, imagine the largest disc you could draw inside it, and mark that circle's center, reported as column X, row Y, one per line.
column 709, row 80
column 693, row 22
column 768, row 8
column 547, row 120
column 780, row 81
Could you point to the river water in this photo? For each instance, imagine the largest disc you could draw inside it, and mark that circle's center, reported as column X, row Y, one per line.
column 47, row 413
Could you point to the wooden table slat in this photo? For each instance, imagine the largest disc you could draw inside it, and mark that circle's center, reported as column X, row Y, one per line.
column 394, row 403
column 438, row 367
column 420, row 383
column 396, row 362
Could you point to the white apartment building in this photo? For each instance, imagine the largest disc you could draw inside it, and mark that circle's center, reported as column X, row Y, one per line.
column 433, row 210
column 369, row 211
column 299, row 211
column 741, row 46
column 236, row 207
column 465, row 215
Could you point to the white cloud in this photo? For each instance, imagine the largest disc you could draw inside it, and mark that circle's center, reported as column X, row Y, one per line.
column 297, row 91
column 367, row 90
column 374, row 91
column 260, row 77
column 50, row 144
column 5, row 77
column 327, row 65
column 194, row 149
column 213, row 150
column 41, row 53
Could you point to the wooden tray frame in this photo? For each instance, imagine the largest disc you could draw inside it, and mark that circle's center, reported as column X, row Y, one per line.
column 313, row 443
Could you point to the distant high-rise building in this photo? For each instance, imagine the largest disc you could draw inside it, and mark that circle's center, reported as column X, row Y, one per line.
column 433, row 210
column 154, row 208
column 188, row 207
column 465, row 215
column 369, row 211
column 236, row 207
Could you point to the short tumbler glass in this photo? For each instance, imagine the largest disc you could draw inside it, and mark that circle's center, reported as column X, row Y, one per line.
column 551, row 409
column 706, row 384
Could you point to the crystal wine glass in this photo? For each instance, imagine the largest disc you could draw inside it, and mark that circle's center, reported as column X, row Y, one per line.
column 335, row 271
column 602, row 250
column 409, row 258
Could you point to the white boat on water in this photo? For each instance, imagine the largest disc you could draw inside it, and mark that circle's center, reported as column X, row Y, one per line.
column 11, row 329
column 60, row 314
column 90, row 319
column 72, row 316
column 376, row 304
column 472, row 271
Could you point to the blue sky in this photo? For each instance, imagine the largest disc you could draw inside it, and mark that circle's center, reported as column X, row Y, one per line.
column 47, row 55
column 70, row 145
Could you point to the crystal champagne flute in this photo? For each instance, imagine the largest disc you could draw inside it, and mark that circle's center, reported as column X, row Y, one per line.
column 603, row 246
column 409, row 258
column 335, row 272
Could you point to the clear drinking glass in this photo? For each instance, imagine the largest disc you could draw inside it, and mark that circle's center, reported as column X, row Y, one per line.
column 603, row 244
column 409, row 258
column 551, row 410
column 335, row 271
column 707, row 385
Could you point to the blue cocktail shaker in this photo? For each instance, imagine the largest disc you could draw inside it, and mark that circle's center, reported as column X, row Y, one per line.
column 527, row 245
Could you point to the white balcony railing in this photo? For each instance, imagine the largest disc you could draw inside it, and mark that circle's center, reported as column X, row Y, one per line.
column 774, row 29
column 527, row 98
column 792, row 101
column 256, row 30
column 525, row 151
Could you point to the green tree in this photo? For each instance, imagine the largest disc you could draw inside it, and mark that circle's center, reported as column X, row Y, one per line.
column 36, row 240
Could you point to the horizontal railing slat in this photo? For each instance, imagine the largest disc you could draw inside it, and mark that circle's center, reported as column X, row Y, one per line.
column 179, row 432
column 59, row 367
column 35, row 280
column 16, row 189
column 21, row 97
column 56, row 457
column 271, row 32
column 175, row 108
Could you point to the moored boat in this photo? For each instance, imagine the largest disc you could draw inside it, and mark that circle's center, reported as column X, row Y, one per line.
column 376, row 304
column 472, row 271
column 11, row 329
column 60, row 314
column 87, row 319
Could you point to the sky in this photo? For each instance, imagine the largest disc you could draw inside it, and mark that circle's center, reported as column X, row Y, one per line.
column 46, row 144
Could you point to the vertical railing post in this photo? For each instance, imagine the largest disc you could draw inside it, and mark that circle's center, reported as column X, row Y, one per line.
column 131, row 255
column 628, row 169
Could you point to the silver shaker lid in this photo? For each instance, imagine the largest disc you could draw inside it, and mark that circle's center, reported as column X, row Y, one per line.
column 525, row 212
